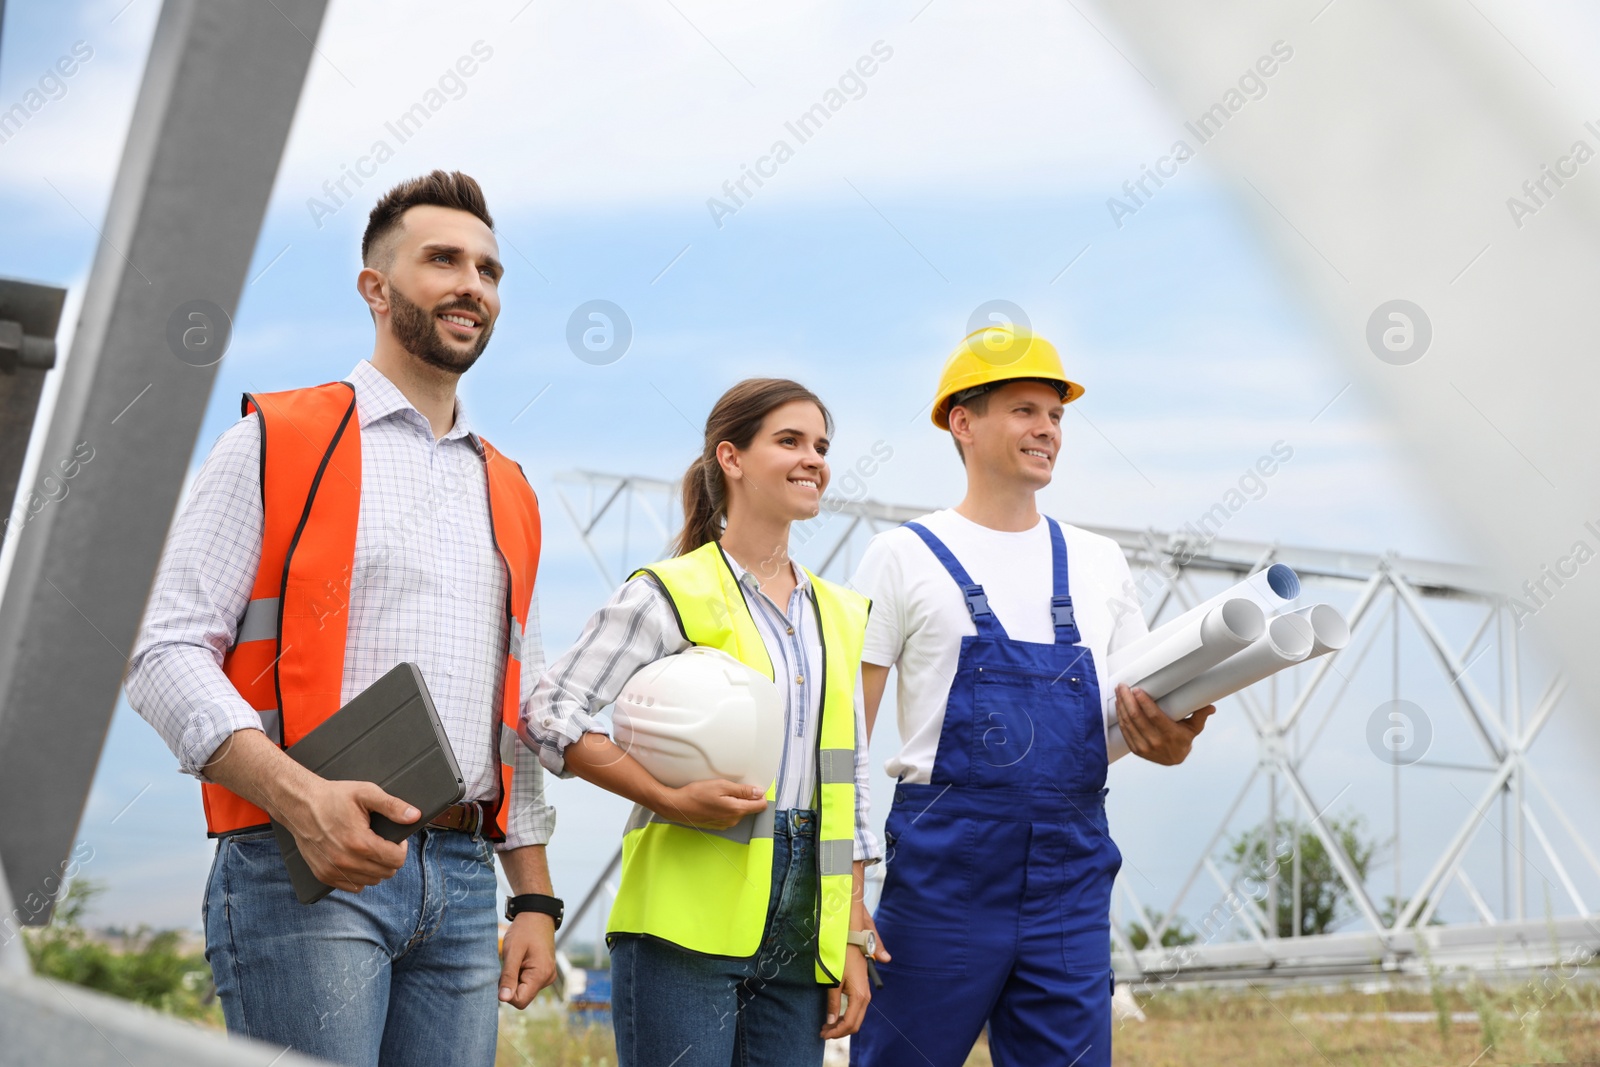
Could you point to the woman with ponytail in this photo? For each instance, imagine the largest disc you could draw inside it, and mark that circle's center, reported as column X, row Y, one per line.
column 694, row 981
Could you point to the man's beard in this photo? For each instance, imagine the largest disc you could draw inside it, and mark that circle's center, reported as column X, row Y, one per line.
column 417, row 331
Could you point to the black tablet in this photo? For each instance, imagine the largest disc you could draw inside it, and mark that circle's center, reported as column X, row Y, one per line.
column 389, row 734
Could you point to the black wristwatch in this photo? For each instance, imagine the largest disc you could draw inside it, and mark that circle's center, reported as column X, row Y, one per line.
column 538, row 902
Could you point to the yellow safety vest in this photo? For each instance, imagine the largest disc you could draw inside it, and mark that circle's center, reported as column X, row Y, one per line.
column 707, row 890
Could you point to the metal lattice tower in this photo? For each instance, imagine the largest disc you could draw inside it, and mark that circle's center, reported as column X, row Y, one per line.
column 625, row 521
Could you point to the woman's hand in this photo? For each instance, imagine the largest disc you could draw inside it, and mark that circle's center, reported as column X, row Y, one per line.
column 715, row 804
column 882, row 954
column 856, row 991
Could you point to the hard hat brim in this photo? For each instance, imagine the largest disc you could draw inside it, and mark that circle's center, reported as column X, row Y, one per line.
column 942, row 406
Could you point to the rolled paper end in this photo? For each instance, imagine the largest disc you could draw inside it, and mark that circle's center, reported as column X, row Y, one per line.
column 1283, row 581
column 1331, row 630
column 1244, row 619
column 1291, row 636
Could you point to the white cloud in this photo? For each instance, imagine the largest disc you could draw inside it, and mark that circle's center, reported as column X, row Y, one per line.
column 589, row 104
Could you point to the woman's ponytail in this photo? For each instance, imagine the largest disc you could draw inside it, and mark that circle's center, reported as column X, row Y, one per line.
column 704, row 505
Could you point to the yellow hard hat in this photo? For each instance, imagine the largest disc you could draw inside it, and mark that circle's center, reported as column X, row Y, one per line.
column 995, row 354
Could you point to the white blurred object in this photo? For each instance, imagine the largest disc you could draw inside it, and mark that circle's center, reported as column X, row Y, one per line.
column 701, row 714
column 836, row 1053
column 1400, row 166
column 1123, row 1006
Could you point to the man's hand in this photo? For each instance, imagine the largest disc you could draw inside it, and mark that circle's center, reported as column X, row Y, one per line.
column 528, row 956
column 715, row 804
column 857, row 992
column 528, row 952
column 1150, row 734
column 332, row 823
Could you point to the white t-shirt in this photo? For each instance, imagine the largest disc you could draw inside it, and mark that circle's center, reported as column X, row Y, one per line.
column 919, row 615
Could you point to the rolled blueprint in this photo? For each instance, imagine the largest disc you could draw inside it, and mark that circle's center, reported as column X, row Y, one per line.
column 1330, row 632
column 1188, row 646
column 1273, row 589
column 1288, row 640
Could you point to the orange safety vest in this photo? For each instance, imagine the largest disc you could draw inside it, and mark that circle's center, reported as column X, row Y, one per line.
column 287, row 660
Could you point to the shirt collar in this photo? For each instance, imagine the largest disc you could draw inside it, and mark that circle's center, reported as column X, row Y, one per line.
column 749, row 580
column 379, row 398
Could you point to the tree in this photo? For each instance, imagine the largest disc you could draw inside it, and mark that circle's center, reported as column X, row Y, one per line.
column 152, row 969
column 1325, row 901
column 1174, row 935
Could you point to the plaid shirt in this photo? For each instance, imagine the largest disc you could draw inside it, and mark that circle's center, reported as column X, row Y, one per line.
column 428, row 586
column 638, row 626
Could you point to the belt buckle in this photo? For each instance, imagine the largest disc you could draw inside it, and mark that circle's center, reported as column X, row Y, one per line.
column 466, row 816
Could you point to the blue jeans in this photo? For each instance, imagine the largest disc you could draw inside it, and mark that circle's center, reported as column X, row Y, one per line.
column 405, row 972
column 675, row 1008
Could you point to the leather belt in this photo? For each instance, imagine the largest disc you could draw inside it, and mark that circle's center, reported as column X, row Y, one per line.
column 469, row 817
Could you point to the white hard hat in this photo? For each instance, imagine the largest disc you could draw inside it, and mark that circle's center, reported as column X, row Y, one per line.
column 698, row 715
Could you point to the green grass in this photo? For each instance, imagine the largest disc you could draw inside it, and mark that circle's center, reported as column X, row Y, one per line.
column 1532, row 1022
column 542, row 1037
column 1551, row 1019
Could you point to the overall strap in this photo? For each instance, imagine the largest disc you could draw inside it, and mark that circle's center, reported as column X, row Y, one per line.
column 1061, row 595
column 977, row 602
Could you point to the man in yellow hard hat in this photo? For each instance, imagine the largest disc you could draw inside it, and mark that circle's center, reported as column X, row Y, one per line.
column 996, row 902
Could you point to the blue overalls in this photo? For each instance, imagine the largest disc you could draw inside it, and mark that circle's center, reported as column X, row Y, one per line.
column 996, row 904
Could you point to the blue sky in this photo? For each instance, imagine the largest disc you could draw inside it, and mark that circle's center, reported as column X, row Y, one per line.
column 975, row 165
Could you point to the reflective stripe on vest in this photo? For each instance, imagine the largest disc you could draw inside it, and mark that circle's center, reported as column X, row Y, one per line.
column 708, row 890
column 287, row 660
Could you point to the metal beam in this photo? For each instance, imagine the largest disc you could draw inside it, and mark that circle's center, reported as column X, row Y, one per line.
column 29, row 317
column 1509, row 949
column 1358, row 612
column 13, row 953
column 1171, row 913
column 220, row 89
column 1463, row 837
column 1254, row 921
column 1334, row 847
column 54, row 1024
column 1224, row 556
column 589, row 899
column 1477, row 707
column 1561, row 816
column 1474, row 896
column 1555, row 860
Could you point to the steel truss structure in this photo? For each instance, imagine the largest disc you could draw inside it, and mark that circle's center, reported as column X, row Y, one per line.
column 625, row 521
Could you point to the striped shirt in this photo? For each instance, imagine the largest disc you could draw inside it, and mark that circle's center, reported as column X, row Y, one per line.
column 427, row 585
column 638, row 626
